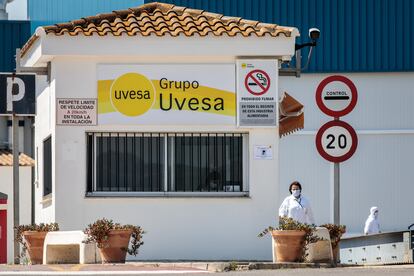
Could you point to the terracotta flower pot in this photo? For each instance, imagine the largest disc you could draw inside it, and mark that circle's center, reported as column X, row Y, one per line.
column 288, row 245
column 114, row 250
column 335, row 254
column 35, row 241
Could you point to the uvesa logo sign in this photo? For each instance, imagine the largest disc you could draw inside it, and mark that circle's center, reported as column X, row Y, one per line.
column 133, row 94
column 17, row 94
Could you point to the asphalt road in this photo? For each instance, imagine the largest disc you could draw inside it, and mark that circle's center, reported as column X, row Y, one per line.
column 401, row 270
column 351, row 271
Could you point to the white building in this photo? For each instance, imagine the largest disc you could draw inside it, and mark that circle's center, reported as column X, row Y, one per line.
column 6, row 207
column 199, row 184
column 379, row 173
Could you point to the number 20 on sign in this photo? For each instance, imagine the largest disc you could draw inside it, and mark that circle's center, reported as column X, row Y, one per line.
column 336, row 141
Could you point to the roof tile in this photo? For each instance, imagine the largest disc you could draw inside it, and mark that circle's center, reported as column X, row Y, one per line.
column 162, row 19
column 6, row 159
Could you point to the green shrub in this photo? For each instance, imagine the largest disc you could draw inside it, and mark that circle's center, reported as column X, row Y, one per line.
column 98, row 232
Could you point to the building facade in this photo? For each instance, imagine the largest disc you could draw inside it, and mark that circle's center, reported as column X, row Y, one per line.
column 368, row 41
column 183, row 166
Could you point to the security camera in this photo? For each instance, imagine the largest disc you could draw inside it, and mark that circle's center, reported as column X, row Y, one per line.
column 314, row 33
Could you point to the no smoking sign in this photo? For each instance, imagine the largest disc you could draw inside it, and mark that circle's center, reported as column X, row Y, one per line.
column 336, row 141
column 257, row 82
column 257, row 93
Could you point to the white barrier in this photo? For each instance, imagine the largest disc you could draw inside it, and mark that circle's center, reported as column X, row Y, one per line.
column 62, row 247
column 321, row 251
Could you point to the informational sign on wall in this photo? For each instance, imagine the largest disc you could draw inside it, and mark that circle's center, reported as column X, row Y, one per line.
column 17, row 94
column 257, row 82
column 263, row 152
column 167, row 94
column 76, row 112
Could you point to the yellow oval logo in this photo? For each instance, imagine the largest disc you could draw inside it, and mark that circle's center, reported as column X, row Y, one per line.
column 132, row 94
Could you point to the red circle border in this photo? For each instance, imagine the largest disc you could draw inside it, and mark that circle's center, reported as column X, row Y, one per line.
column 324, row 154
column 324, row 108
column 247, row 87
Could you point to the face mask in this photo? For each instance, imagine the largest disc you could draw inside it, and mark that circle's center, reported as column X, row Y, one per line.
column 296, row 193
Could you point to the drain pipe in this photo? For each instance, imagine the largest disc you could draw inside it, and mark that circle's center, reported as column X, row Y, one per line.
column 3, row 13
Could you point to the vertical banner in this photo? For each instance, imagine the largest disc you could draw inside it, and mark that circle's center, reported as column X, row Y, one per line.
column 257, row 84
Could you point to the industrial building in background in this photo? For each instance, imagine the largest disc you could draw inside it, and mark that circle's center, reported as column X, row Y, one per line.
column 372, row 48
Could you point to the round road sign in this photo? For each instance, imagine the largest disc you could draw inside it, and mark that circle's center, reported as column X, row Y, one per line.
column 336, row 141
column 257, row 82
column 336, row 96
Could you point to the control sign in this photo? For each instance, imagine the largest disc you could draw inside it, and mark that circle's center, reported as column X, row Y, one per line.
column 257, row 93
column 336, row 141
column 336, row 96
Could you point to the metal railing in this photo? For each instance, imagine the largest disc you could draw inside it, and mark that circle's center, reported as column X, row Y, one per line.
column 205, row 163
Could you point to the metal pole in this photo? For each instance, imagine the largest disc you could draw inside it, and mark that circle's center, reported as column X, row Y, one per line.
column 336, row 195
column 16, row 197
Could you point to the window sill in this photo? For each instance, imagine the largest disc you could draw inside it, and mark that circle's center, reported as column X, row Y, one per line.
column 169, row 194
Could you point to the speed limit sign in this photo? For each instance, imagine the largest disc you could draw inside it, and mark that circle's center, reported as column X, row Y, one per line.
column 336, row 141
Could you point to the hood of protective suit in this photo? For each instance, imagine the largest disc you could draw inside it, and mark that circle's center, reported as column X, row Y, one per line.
column 373, row 210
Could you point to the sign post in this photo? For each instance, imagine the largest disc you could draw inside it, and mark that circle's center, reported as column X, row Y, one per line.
column 18, row 90
column 336, row 141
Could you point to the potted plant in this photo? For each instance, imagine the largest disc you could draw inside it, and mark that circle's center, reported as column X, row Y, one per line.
column 113, row 239
column 335, row 233
column 32, row 238
column 291, row 239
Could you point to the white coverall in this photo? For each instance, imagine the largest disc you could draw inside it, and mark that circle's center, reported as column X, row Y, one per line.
column 298, row 209
column 372, row 223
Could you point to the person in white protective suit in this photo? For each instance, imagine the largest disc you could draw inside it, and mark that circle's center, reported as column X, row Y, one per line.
column 372, row 223
column 296, row 206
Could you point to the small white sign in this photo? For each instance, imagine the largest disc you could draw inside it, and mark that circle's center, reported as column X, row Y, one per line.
column 257, row 82
column 263, row 152
column 76, row 112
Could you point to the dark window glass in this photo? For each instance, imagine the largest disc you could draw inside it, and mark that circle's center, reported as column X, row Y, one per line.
column 205, row 163
column 127, row 163
column 135, row 162
column 47, row 166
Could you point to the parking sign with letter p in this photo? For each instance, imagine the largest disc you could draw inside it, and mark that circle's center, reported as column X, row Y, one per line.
column 17, row 94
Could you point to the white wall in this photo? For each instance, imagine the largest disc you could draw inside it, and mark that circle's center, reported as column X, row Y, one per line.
column 380, row 173
column 6, row 187
column 177, row 228
column 17, row 10
column 44, row 209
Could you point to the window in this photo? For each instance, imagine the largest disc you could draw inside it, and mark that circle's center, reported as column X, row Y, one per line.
column 159, row 163
column 47, row 166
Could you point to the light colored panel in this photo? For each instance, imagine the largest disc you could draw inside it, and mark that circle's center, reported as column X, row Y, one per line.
column 300, row 161
column 380, row 174
column 6, row 187
column 385, row 100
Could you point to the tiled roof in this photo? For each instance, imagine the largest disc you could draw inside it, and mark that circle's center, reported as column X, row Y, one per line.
column 6, row 159
column 291, row 116
column 161, row 19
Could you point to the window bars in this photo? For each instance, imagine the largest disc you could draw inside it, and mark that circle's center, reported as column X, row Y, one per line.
column 159, row 163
